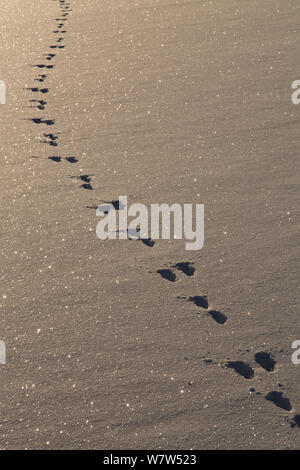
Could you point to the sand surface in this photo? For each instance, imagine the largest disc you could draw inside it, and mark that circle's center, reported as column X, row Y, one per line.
column 163, row 101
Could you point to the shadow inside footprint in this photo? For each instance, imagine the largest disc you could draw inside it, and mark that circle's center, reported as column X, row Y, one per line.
column 49, row 56
column 85, row 178
column 167, row 274
column 199, row 300
column 55, row 159
column 265, row 360
column 42, row 78
column 87, row 186
column 47, row 122
column 295, row 422
column 148, row 242
column 241, row 368
column 279, row 400
column 219, row 317
column 118, row 205
column 52, row 140
column 186, row 267
column 33, row 89
column 43, row 66
column 41, row 104
column 86, row 181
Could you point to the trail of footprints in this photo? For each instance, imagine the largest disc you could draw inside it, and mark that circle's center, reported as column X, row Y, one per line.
column 201, row 301
column 52, row 138
column 170, row 273
column 38, row 102
column 263, row 359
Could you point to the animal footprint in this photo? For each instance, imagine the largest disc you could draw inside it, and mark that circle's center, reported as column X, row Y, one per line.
column 134, row 235
column 241, row 368
column 58, row 159
column 219, row 317
column 265, row 360
column 48, row 122
column 199, row 300
column 117, row 205
column 202, row 302
column 167, row 274
column 55, row 159
column 295, row 421
column 42, row 78
column 41, row 90
column 52, row 140
column 186, row 267
column 41, row 104
column 43, row 66
column 49, row 56
column 86, row 181
column 148, row 242
column 87, row 186
column 279, row 400
column 71, row 159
